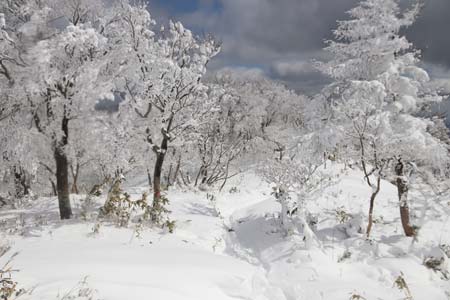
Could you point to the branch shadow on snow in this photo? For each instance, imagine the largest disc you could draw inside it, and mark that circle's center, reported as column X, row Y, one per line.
column 199, row 209
column 250, row 237
column 42, row 215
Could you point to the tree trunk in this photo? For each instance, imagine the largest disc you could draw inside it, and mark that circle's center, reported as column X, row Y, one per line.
column 21, row 184
column 62, row 183
column 55, row 192
column 62, row 173
column 169, row 181
column 177, row 169
column 160, row 156
column 402, row 187
column 75, row 172
column 149, row 177
column 372, row 204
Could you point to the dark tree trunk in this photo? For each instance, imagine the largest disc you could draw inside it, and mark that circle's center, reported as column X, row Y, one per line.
column 198, row 176
column 62, row 183
column 402, row 187
column 160, row 156
column 204, row 175
column 21, row 184
column 62, row 173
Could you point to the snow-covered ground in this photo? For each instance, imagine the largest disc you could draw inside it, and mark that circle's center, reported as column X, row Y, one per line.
column 233, row 248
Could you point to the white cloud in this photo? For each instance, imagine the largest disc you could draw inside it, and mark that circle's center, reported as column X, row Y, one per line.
column 292, row 68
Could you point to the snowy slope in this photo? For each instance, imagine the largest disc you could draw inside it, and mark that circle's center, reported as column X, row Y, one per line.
column 373, row 266
column 232, row 248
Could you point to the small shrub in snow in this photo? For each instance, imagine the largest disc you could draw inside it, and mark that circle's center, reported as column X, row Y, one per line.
column 401, row 284
column 4, row 247
column 379, row 220
column 9, row 289
column 234, row 190
column 342, row 216
column 217, row 242
column 158, row 213
column 170, row 225
column 82, row 291
column 96, row 228
column 88, row 205
column 121, row 209
column 346, row 255
column 312, row 220
column 213, row 200
column 434, row 263
column 437, row 261
column 350, row 224
column 355, row 296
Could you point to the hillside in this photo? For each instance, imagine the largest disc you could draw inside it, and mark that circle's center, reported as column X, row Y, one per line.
column 231, row 247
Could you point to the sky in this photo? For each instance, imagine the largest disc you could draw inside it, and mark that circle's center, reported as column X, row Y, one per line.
column 282, row 37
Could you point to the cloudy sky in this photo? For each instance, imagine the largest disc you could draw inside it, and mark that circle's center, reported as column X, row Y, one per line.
column 281, row 37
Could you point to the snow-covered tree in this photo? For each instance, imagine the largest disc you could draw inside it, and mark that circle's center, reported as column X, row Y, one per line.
column 165, row 95
column 219, row 142
column 295, row 178
column 16, row 160
column 265, row 112
column 64, row 72
column 377, row 94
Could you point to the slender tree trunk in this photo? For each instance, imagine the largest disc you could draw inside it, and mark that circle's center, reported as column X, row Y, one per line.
column 160, row 156
column 198, row 176
column 55, row 192
column 402, row 187
column 149, row 177
column 75, row 172
column 62, row 173
column 185, row 182
column 204, row 175
column 177, row 170
column 26, row 183
column 169, row 181
column 372, row 204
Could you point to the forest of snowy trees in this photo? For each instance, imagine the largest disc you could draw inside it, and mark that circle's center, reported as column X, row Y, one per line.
column 95, row 93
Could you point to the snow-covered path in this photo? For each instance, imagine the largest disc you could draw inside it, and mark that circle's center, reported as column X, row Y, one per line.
column 294, row 271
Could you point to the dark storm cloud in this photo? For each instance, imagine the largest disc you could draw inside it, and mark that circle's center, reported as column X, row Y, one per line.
column 431, row 32
column 283, row 36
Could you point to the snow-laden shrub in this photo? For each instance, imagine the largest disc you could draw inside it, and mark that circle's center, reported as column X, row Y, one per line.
column 355, row 296
column 121, row 209
column 9, row 287
column 437, row 261
column 402, row 285
column 295, row 178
